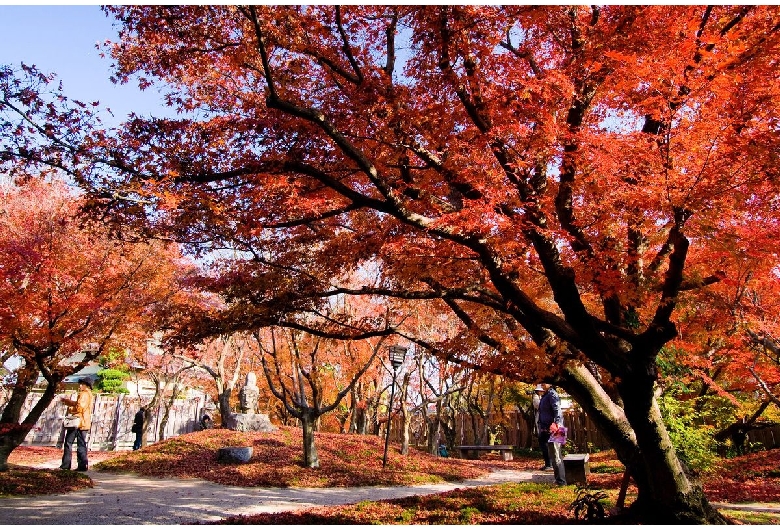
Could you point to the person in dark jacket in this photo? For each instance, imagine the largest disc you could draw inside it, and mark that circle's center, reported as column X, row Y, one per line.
column 542, row 437
column 550, row 420
column 138, row 427
column 206, row 422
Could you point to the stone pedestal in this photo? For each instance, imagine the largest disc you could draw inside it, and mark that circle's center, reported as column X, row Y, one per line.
column 234, row 455
column 577, row 468
column 250, row 422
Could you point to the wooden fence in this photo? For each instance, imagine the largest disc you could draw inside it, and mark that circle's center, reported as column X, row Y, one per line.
column 511, row 429
column 583, row 435
column 112, row 418
column 768, row 437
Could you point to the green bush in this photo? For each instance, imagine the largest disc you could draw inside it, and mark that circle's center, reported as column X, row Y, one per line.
column 111, row 381
column 467, row 514
column 693, row 442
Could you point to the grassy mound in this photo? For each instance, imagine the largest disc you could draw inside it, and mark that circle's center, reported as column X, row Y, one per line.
column 345, row 460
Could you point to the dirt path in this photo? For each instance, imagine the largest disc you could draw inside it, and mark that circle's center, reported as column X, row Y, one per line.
column 132, row 499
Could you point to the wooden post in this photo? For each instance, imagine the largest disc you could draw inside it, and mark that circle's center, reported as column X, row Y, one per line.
column 91, row 439
column 115, row 424
column 621, row 499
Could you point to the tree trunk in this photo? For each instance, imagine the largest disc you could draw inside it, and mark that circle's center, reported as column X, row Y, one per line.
column 372, row 420
column 224, row 406
column 406, row 423
column 361, row 421
column 353, row 417
column 166, row 414
column 475, row 426
column 527, row 416
column 147, row 422
column 489, row 431
column 343, row 418
column 638, row 435
column 406, row 417
column 434, row 424
column 8, row 442
column 666, row 483
column 310, row 458
column 448, row 421
column 13, row 429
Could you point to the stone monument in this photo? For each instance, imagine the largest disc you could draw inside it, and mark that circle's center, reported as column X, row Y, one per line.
column 248, row 419
column 249, row 394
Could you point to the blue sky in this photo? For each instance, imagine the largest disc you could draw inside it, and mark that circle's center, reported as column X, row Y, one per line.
column 61, row 39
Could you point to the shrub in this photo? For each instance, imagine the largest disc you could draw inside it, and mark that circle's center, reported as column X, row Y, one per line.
column 693, row 442
column 111, row 381
column 588, row 505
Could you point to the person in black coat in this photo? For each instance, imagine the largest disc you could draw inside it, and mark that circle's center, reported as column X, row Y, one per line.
column 138, row 427
column 550, row 421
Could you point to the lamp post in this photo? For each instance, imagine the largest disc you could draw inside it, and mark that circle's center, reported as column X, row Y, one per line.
column 397, row 356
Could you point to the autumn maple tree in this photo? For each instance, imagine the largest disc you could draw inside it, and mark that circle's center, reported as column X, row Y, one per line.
column 726, row 362
column 67, row 287
column 170, row 376
column 554, row 177
column 310, row 376
column 222, row 358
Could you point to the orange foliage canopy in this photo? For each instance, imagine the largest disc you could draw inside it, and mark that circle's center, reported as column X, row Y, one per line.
column 559, row 178
column 66, row 283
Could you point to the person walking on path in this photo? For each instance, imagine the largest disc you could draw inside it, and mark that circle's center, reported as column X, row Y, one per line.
column 81, row 407
column 138, row 427
column 537, row 398
column 550, row 421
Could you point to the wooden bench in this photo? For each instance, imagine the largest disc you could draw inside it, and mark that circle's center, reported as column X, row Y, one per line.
column 471, row 452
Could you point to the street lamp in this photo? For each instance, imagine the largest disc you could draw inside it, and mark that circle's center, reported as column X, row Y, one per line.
column 397, row 356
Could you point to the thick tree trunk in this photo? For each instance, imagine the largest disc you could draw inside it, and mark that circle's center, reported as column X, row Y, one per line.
column 310, row 458
column 224, row 407
column 637, row 433
column 373, row 419
column 14, row 429
column 361, row 421
column 666, row 483
column 153, row 405
column 474, row 418
column 8, row 442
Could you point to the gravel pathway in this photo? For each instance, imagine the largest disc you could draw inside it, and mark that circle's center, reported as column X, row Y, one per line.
column 123, row 498
column 132, row 499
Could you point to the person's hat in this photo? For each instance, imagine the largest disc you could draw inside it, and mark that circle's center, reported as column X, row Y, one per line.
column 539, row 388
column 85, row 381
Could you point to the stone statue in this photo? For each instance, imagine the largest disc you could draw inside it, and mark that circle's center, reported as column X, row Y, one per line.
column 249, row 394
column 249, row 419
